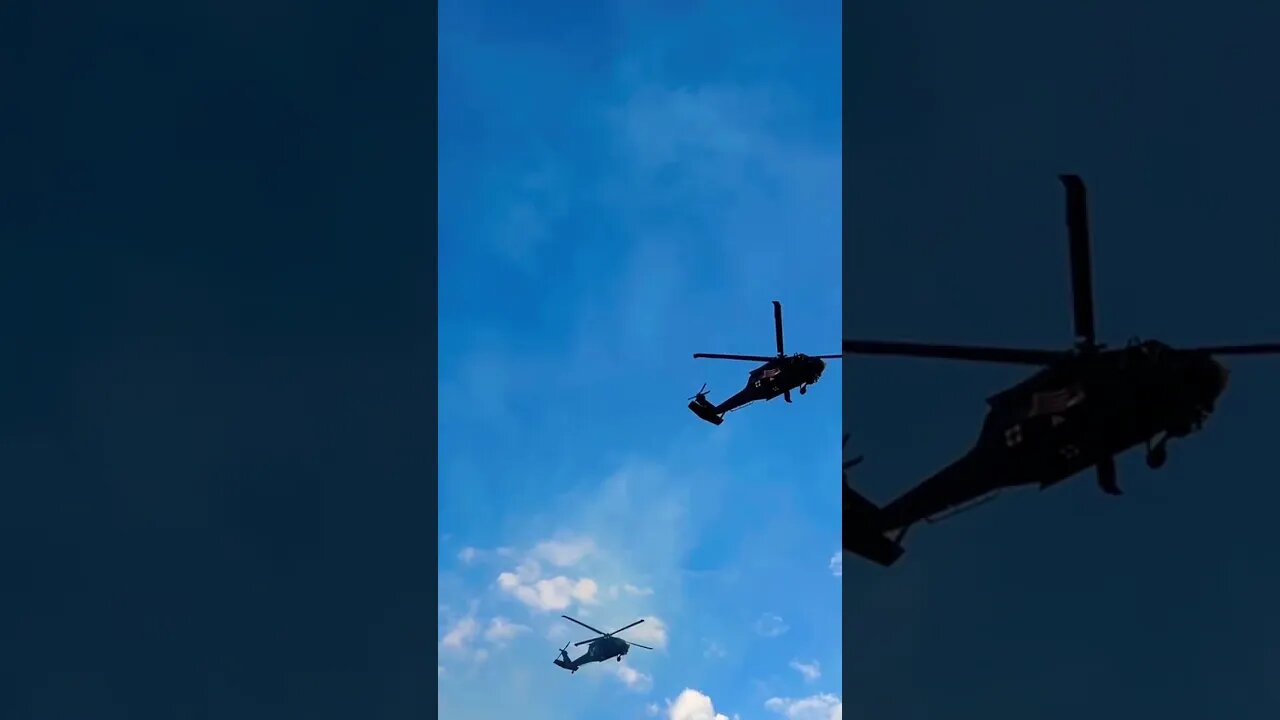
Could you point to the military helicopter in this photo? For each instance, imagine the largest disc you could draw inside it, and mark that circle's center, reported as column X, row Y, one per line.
column 779, row 375
column 599, row 649
column 1085, row 406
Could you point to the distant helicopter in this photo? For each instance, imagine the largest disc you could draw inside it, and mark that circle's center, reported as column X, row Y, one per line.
column 779, row 375
column 598, row 649
column 1084, row 407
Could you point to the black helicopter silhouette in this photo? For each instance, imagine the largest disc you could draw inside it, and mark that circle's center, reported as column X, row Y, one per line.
column 599, row 649
column 1084, row 407
column 779, row 375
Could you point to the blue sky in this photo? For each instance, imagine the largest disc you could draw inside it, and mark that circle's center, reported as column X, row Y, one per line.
column 1069, row 603
column 621, row 185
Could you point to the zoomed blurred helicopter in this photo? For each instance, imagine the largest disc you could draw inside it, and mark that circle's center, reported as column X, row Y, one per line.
column 1085, row 406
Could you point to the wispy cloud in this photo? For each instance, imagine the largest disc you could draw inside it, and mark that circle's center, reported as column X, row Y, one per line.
column 811, row 671
column 713, row 650
column 837, row 563
column 629, row 589
column 564, row 552
column 633, row 679
column 474, row 556
column 460, row 634
column 814, row 707
column 771, row 626
column 501, row 630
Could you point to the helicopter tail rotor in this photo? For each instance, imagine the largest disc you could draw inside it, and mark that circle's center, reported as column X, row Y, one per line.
column 703, row 408
column 562, row 659
column 861, row 534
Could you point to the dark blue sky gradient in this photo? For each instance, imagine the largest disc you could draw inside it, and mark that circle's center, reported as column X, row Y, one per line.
column 1069, row 603
column 217, row 278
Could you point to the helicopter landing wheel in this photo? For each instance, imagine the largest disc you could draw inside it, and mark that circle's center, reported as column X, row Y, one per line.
column 804, row 389
column 619, row 658
column 1157, row 457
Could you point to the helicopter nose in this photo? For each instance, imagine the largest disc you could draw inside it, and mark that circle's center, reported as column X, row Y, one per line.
column 1210, row 377
column 1224, row 376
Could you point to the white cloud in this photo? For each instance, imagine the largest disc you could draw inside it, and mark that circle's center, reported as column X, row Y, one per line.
column 501, row 630
column 713, row 650
column 771, row 626
column 632, row 678
column 693, row 705
column 548, row 594
column 837, row 563
column 652, row 632
column 815, row 707
column 564, row 552
column 460, row 633
column 528, row 584
column 616, row 591
column 652, row 709
column 811, row 671
column 471, row 555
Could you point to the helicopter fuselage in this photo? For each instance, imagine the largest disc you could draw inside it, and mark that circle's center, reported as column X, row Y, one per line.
column 1070, row 417
column 774, row 378
column 599, row 650
column 778, row 376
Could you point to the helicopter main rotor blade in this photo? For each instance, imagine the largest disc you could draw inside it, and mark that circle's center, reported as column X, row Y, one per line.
column 646, row 647
column 718, row 356
column 974, row 353
column 777, row 325
column 1254, row 349
column 615, row 632
column 579, row 622
column 1081, row 266
column 828, row 357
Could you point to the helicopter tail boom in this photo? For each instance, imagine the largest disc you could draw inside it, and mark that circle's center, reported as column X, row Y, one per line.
column 703, row 408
